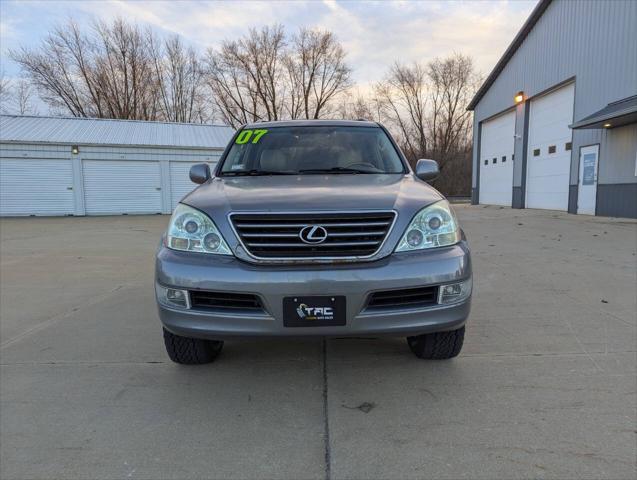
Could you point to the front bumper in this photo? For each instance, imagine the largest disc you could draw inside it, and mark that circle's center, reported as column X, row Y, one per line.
column 271, row 283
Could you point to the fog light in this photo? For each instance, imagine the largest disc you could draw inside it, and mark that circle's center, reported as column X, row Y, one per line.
column 172, row 297
column 454, row 292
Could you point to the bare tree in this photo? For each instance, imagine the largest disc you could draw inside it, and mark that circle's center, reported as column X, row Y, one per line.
column 246, row 76
column 123, row 75
column 180, row 80
column 59, row 69
column 23, row 96
column 265, row 76
column 402, row 97
column 359, row 107
column 16, row 96
column 5, row 94
column 425, row 106
column 453, row 82
column 116, row 70
column 317, row 73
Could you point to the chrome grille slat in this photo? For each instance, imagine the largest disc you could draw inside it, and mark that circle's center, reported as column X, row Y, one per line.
column 270, row 235
column 356, row 234
column 275, row 236
column 301, row 225
column 305, row 245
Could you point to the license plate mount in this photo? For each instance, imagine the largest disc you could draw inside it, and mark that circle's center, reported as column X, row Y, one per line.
column 314, row 311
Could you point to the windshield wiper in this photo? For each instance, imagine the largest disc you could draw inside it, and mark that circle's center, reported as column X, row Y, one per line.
column 255, row 172
column 335, row 170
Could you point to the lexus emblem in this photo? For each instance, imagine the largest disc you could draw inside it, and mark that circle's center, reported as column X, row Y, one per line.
column 313, row 234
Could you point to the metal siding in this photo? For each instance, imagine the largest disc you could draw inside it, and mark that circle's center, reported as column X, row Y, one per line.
column 618, row 155
column 593, row 41
column 97, row 131
column 615, row 200
column 36, row 187
column 115, row 187
column 521, row 114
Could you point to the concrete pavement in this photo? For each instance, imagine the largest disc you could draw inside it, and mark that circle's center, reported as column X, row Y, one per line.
column 544, row 388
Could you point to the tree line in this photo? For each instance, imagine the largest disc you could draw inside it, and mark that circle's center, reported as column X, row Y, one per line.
column 126, row 71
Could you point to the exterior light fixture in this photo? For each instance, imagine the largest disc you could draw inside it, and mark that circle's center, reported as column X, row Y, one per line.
column 519, row 97
column 607, row 125
column 75, row 149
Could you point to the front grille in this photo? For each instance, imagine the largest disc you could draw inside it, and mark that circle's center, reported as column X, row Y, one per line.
column 277, row 235
column 224, row 300
column 408, row 297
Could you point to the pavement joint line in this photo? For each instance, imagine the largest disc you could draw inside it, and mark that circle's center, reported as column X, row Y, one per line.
column 326, row 420
column 60, row 316
column 467, row 355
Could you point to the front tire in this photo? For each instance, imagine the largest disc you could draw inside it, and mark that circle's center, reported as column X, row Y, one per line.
column 191, row 351
column 437, row 346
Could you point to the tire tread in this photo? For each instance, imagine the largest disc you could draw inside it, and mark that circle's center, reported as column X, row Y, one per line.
column 190, row 351
column 438, row 345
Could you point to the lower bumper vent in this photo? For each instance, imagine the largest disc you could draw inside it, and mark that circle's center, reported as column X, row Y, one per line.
column 408, row 298
column 224, row 300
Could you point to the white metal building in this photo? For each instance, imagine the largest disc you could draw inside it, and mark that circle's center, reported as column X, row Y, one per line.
column 555, row 123
column 81, row 166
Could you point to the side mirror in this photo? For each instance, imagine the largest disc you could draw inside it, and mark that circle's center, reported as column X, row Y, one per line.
column 427, row 170
column 200, row 173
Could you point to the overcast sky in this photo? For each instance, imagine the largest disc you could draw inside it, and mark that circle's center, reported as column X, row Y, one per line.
column 374, row 34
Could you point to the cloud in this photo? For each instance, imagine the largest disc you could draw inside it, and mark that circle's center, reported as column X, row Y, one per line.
column 374, row 34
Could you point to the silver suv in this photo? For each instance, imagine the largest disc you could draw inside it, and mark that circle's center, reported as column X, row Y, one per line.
column 313, row 228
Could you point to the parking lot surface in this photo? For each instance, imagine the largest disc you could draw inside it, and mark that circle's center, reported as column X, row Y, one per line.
column 544, row 388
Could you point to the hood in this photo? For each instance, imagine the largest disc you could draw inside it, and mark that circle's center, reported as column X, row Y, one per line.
column 223, row 195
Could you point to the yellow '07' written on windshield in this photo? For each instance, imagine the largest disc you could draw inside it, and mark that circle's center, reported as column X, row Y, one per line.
column 246, row 135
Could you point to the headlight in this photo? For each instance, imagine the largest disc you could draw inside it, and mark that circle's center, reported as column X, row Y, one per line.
column 192, row 231
column 433, row 226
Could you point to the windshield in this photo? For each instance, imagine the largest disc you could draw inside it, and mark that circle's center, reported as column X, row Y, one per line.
column 312, row 150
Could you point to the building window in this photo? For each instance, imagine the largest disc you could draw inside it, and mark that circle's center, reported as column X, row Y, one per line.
column 536, row 152
column 551, row 148
column 504, row 158
column 486, row 162
column 568, row 146
column 512, row 156
column 495, row 160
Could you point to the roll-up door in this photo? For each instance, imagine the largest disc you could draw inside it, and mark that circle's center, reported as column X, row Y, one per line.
column 115, row 187
column 36, row 187
column 496, row 160
column 549, row 149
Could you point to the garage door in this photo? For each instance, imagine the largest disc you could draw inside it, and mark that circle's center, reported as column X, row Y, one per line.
column 496, row 160
column 36, row 187
column 549, row 152
column 180, row 183
column 114, row 187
